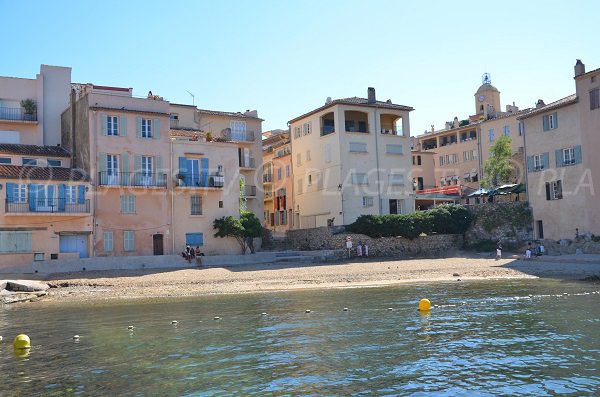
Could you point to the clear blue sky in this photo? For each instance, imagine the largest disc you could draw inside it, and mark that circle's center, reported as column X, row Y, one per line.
column 284, row 58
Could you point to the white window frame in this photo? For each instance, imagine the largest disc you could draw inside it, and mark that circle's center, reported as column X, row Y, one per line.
column 358, row 147
column 367, row 201
column 20, row 193
column 146, row 128
column 360, row 178
column 537, row 162
column 112, row 125
column 128, row 204
column 57, row 163
column 198, row 205
column 555, row 192
column 551, row 121
column 396, row 179
column 128, row 240
column 506, row 130
column 70, row 194
column 568, row 156
column 491, row 135
column 109, row 241
column 29, row 159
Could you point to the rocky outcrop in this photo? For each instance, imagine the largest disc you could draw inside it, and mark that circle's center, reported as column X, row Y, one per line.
column 12, row 291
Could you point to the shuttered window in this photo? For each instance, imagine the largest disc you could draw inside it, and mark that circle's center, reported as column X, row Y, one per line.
column 393, row 149
column 194, row 239
column 15, row 241
column 108, row 242
column 196, row 205
column 128, row 204
column 359, row 179
column 595, row 99
column 358, row 147
column 396, row 179
column 128, row 240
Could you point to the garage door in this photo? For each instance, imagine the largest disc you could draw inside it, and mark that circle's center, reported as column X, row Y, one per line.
column 74, row 243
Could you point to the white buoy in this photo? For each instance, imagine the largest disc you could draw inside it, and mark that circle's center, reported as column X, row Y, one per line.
column 0, row 338
column 345, row 309
column 307, row 311
column 130, row 327
column 217, row 318
column 390, row 308
column 174, row 322
column 263, row 314
column 75, row 337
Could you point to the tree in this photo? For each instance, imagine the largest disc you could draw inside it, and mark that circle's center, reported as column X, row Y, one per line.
column 244, row 230
column 497, row 169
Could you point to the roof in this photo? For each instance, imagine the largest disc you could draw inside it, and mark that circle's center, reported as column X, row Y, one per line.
column 355, row 101
column 436, row 196
column 228, row 114
column 587, row 73
column 486, row 87
column 125, row 110
column 34, row 150
column 42, row 173
column 571, row 99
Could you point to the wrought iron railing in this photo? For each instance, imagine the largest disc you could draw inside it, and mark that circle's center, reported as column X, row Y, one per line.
column 135, row 179
column 51, row 205
column 215, row 180
column 267, row 178
column 250, row 191
column 247, row 162
column 17, row 114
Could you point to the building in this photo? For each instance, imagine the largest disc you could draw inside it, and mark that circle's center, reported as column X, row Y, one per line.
column 278, row 180
column 559, row 141
column 47, row 211
column 217, row 173
column 351, row 157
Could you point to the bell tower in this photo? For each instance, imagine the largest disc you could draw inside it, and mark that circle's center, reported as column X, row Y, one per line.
column 487, row 98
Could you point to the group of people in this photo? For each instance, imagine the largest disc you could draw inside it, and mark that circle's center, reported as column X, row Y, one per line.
column 362, row 249
column 529, row 252
column 191, row 253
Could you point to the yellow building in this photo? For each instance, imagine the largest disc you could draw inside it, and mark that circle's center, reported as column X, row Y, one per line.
column 351, row 157
column 278, row 180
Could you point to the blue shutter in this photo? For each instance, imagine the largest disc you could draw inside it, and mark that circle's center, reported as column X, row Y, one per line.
column 545, row 122
column 10, row 192
column 156, row 132
column 32, row 189
column 194, row 239
column 529, row 163
column 104, row 122
column 546, row 160
column 61, row 197
column 183, row 170
column 204, row 174
column 123, row 126
column 81, row 194
column 559, row 159
column 578, row 155
column 555, row 115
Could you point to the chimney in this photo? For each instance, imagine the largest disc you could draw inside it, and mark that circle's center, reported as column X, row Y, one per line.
column 579, row 68
column 251, row 113
column 455, row 122
column 371, row 95
column 432, row 129
column 539, row 104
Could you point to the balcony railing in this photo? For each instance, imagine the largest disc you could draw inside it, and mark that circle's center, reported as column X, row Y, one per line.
column 203, row 180
column 267, row 178
column 281, row 153
column 250, row 191
column 242, row 136
column 247, row 162
column 134, row 179
column 268, row 195
column 17, row 114
column 48, row 205
column 174, row 123
column 390, row 132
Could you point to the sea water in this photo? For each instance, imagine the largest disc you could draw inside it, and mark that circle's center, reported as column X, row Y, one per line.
column 494, row 338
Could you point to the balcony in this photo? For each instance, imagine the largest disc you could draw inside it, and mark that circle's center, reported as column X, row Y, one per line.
column 268, row 196
column 48, row 205
column 281, row 153
column 17, row 114
column 247, row 162
column 240, row 136
column 133, row 179
column 385, row 131
column 215, row 181
column 250, row 191
column 267, row 178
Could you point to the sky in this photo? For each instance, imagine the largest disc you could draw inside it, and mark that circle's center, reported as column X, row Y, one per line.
column 284, row 58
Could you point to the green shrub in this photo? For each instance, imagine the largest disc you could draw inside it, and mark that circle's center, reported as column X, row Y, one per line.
column 445, row 219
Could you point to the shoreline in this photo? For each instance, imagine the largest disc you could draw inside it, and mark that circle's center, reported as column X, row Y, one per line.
column 82, row 287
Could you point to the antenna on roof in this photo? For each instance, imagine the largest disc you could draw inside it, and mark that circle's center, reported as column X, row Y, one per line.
column 192, row 95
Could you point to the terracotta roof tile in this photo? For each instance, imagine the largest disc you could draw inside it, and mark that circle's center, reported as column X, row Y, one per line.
column 228, row 114
column 34, row 150
column 551, row 106
column 42, row 173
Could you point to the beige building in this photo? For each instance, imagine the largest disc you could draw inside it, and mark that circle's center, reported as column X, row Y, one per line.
column 351, row 157
column 559, row 141
column 278, row 180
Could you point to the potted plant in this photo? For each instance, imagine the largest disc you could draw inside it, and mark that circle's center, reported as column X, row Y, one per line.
column 209, row 136
column 29, row 108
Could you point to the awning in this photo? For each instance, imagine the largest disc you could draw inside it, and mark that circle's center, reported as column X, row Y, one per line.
column 513, row 188
column 433, row 196
column 467, row 175
column 479, row 192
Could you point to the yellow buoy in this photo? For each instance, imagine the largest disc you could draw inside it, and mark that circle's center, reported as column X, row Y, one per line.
column 22, row 342
column 424, row 305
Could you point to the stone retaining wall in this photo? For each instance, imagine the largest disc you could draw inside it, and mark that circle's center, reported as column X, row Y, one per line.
column 335, row 238
column 499, row 221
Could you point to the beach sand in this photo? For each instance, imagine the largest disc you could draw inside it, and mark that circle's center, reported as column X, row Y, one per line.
column 84, row 286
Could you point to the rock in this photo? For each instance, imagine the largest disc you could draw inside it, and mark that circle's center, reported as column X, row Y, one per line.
column 455, row 275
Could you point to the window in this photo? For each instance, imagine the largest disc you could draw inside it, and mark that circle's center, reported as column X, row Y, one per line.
column 396, row 206
column 5, row 160
column 287, row 171
column 550, row 121
column 568, row 156
column 54, row 163
column 491, row 135
column 16, row 241
column 595, row 99
column 328, row 126
column 396, row 179
column 279, row 173
column 238, row 130
column 108, row 242
column 20, row 193
column 309, row 179
column 70, row 194
column 442, row 161
column 454, row 158
column 327, row 152
column 469, row 155
column 359, row 179
column 413, row 160
column 196, row 205
column 146, row 128
column 297, row 133
column 29, row 162
column 554, row 190
column 308, row 155
column 418, row 160
column 362, row 126
column 299, row 159
column 367, row 201
column 283, row 217
column 220, row 203
column 174, row 120
column 394, row 149
column 128, row 240
column 358, row 147
column 112, row 125
column 128, row 204
column 306, row 128
column 194, row 239
column 521, row 128
column 506, row 130
column 537, row 162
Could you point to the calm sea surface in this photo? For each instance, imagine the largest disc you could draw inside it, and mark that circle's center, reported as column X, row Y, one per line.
column 501, row 338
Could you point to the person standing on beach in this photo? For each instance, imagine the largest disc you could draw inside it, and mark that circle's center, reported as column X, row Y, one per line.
column 528, row 251
column 499, row 251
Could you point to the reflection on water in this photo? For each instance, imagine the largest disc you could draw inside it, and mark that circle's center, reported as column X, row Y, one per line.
column 486, row 338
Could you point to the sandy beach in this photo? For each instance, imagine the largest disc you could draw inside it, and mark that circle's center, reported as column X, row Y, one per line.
column 84, row 286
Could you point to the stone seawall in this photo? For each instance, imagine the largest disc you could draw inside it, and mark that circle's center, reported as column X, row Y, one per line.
column 335, row 238
column 509, row 222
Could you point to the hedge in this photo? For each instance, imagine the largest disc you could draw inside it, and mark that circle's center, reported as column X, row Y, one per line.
column 445, row 219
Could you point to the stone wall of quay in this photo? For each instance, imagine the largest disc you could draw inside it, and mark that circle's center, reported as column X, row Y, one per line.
column 334, row 238
column 509, row 222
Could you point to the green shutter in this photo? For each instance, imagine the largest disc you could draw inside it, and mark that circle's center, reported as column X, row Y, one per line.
column 559, row 159
column 156, row 131
column 124, row 162
column 123, row 126
column 546, row 160
column 137, row 163
column 103, row 162
column 138, row 123
column 158, row 167
column 545, row 122
column 104, row 123
column 555, row 114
